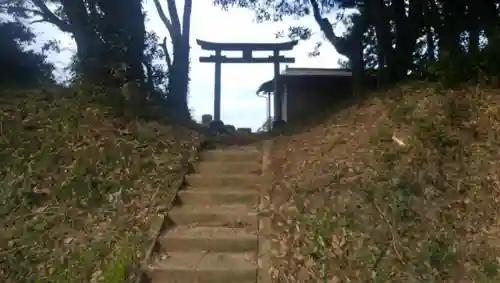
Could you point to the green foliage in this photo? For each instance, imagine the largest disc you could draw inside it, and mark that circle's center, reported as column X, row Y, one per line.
column 21, row 66
column 449, row 41
column 454, row 70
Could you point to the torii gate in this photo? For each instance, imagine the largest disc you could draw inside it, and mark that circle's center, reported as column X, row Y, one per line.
column 247, row 57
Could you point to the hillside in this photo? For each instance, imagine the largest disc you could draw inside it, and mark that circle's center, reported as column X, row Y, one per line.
column 79, row 185
column 402, row 187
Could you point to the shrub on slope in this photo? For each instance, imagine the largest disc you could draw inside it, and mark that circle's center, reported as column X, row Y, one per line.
column 400, row 188
column 78, row 185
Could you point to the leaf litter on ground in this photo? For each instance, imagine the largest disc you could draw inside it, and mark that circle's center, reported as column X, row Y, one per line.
column 79, row 185
column 400, row 187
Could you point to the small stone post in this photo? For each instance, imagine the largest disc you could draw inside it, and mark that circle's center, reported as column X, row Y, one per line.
column 206, row 120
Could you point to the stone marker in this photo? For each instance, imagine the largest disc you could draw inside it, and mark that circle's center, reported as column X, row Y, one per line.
column 244, row 130
column 216, row 126
column 206, row 119
column 230, row 128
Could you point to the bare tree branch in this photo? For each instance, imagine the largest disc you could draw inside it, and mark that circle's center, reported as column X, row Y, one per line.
column 164, row 18
column 167, row 56
column 186, row 19
column 50, row 17
column 174, row 17
column 325, row 26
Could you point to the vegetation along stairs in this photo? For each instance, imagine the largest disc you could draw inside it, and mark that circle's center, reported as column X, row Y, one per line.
column 212, row 230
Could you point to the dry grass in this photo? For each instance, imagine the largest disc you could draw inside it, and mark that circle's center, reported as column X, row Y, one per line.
column 402, row 188
column 79, row 186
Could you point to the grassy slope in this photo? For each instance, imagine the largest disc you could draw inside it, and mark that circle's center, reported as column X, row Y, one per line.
column 371, row 210
column 78, row 186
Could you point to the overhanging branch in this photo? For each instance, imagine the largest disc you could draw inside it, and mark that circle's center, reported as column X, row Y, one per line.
column 326, row 27
column 48, row 16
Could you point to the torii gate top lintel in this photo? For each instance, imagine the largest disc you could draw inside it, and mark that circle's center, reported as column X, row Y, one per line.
column 282, row 46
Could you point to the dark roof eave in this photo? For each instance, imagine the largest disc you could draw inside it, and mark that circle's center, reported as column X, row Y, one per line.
column 268, row 86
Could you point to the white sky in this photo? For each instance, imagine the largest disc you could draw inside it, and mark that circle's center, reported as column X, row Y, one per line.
column 240, row 105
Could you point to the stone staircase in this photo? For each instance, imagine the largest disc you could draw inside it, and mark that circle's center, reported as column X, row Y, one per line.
column 212, row 236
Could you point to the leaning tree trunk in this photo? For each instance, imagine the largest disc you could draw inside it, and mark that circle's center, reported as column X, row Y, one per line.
column 351, row 47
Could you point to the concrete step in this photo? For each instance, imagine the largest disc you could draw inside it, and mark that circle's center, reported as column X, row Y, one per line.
column 192, row 196
column 222, row 188
column 240, row 154
column 228, row 167
column 165, row 280
column 234, row 215
column 204, row 267
column 210, row 239
column 221, row 180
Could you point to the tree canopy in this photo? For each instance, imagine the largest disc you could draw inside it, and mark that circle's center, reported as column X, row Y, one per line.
column 451, row 40
column 111, row 38
column 396, row 39
column 21, row 66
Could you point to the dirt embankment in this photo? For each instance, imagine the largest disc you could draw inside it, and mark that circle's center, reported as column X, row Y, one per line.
column 400, row 188
column 78, row 186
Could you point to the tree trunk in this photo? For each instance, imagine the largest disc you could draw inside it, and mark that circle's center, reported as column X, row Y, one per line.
column 134, row 22
column 89, row 45
column 449, row 37
column 402, row 50
column 178, row 73
column 356, row 58
column 377, row 12
column 125, row 33
column 179, row 79
column 407, row 33
column 490, row 17
column 473, row 28
column 430, row 22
